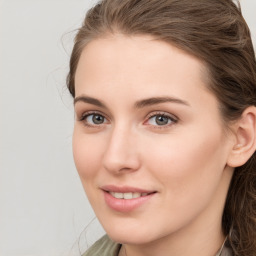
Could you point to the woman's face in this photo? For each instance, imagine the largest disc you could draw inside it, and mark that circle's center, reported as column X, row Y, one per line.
column 149, row 143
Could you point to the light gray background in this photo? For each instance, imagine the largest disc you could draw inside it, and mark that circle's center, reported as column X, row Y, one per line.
column 43, row 209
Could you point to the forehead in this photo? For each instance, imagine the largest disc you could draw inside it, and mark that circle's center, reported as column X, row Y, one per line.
column 138, row 64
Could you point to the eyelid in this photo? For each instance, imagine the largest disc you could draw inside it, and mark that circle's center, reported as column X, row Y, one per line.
column 91, row 112
column 162, row 113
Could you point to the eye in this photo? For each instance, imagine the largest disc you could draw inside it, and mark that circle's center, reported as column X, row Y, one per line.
column 161, row 120
column 93, row 119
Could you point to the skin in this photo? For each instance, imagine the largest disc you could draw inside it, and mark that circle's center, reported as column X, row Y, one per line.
column 184, row 161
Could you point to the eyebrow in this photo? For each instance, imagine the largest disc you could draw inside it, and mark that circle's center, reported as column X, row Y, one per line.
column 90, row 100
column 138, row 104
column 158, row 100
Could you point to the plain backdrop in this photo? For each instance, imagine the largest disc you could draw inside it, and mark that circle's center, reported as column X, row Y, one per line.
column 43, row 209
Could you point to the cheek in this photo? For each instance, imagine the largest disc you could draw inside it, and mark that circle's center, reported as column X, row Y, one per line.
column 87, row 154
column 189, row 173
column 188, row 161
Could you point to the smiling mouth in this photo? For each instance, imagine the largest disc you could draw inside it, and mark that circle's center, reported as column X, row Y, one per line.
column 129, row 195
column 126, row 199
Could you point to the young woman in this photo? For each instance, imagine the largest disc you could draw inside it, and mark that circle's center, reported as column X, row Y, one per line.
column 165, row 131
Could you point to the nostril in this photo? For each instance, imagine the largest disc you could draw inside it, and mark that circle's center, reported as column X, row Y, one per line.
column 121, row 162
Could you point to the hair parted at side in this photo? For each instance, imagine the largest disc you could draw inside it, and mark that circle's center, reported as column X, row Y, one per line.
column 215, row 32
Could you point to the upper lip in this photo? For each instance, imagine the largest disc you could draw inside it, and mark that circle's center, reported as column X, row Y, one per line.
column 125, row 189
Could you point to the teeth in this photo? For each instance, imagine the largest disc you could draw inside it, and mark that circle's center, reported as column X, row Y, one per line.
column 136, row 195
column 128, row 195
column 119, row 195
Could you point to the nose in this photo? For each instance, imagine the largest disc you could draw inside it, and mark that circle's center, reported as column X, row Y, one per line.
column 121, row 155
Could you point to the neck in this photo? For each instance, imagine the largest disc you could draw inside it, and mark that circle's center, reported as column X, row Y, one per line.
column 194, row 245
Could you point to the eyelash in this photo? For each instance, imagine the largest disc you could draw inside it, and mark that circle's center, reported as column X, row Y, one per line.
column 173, row 119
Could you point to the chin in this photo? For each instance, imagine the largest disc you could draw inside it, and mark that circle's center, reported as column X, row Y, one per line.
column 130, row 235
column 129, row 238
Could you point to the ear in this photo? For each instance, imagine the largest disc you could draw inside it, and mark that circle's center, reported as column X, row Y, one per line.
column 245, row 138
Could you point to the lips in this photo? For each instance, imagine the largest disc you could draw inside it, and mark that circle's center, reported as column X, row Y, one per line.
column 125, row 189
column 126, row 199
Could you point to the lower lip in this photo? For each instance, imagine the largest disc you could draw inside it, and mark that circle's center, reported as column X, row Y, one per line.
column 125, row 205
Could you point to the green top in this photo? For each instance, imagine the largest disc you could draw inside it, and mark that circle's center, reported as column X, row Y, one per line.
column 106, row 247
column 103, row 247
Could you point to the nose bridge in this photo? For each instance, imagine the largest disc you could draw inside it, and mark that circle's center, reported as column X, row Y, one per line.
column 121, row 151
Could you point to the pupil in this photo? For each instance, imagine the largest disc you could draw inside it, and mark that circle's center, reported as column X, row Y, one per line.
column 161, row 120
column 97, row 119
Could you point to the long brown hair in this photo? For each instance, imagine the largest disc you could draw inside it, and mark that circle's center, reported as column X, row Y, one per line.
column 215, row 32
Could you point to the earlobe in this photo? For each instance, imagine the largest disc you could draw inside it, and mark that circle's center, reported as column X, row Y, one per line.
column 245, row 138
